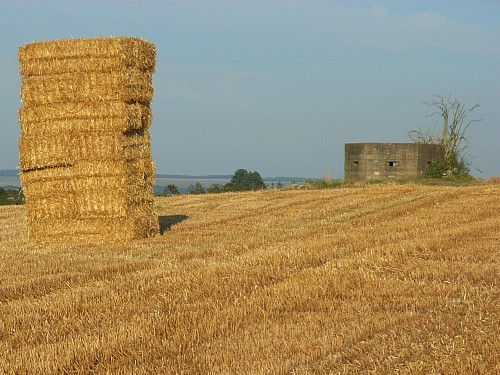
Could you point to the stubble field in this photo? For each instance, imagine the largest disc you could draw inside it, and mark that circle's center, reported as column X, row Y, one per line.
column 400, row 279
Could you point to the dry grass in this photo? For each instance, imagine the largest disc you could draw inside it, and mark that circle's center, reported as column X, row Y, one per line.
column 375, row 279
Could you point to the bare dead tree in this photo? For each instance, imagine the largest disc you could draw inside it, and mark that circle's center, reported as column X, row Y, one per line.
column 453, row 134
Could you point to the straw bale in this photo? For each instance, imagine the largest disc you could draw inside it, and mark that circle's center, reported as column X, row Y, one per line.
column 100, row 174
column 114, row 116
column 84, row 110
column 121, row 202
column 138, row 170
column 84, row 148
column 86, row 55
column 114, row 168
column 40, row 187
column 94, row 230
column 45, row 174
column 88, row 192
column 35, row 153
column 133, row 182
column 50, row 206
column 128, row 85
column 112, row 203
column 68, row 149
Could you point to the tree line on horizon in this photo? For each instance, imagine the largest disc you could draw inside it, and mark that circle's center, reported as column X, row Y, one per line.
column 242, row 180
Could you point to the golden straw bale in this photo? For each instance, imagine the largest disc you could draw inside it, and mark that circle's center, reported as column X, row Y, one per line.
column 87, row 116
column 46, row 152
column 112, row 203
column 121, row 202
column 94, row 230
column 86, row 55
column 96, row 190
column 79, row 125
column 84, row 110
column 99, row 175
column 39, row 187
column 46, row 174
column 69, row 149
column 55, row 205
column 136, row 183
column 128, row 85
column 113, row 168
column 137, row 171
column 84, row 149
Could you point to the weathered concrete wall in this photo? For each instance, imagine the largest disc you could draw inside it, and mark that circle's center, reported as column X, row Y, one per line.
column 365, row 161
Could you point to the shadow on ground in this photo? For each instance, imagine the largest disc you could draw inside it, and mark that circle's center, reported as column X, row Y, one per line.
column 166, row 222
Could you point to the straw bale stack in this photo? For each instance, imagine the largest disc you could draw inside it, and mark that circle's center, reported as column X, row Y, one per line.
column 86, row 168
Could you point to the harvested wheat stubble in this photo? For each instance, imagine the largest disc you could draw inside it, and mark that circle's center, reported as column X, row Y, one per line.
column 84, row 148
column 271, row 282
column 84, row 117
column 86, row 55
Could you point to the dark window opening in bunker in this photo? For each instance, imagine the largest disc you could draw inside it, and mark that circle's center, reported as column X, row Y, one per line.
column 392, row 163
column 355, row 162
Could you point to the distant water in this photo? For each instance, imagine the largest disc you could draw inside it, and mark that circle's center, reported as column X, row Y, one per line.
column 181, row 183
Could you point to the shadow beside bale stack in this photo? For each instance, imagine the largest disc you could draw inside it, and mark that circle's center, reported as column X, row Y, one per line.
column 85, row 159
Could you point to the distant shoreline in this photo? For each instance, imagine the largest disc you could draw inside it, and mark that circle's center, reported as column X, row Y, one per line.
column 9, row 178
column 15, row 173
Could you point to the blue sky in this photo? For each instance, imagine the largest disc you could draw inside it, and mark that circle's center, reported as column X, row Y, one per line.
column 281, row 86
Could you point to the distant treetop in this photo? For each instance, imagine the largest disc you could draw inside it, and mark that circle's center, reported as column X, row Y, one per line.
column 244, row 180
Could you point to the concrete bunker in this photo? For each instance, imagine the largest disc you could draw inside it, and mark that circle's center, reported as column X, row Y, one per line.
column 380, row 161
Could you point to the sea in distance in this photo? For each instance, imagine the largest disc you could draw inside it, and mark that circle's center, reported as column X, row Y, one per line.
column 182, row 182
